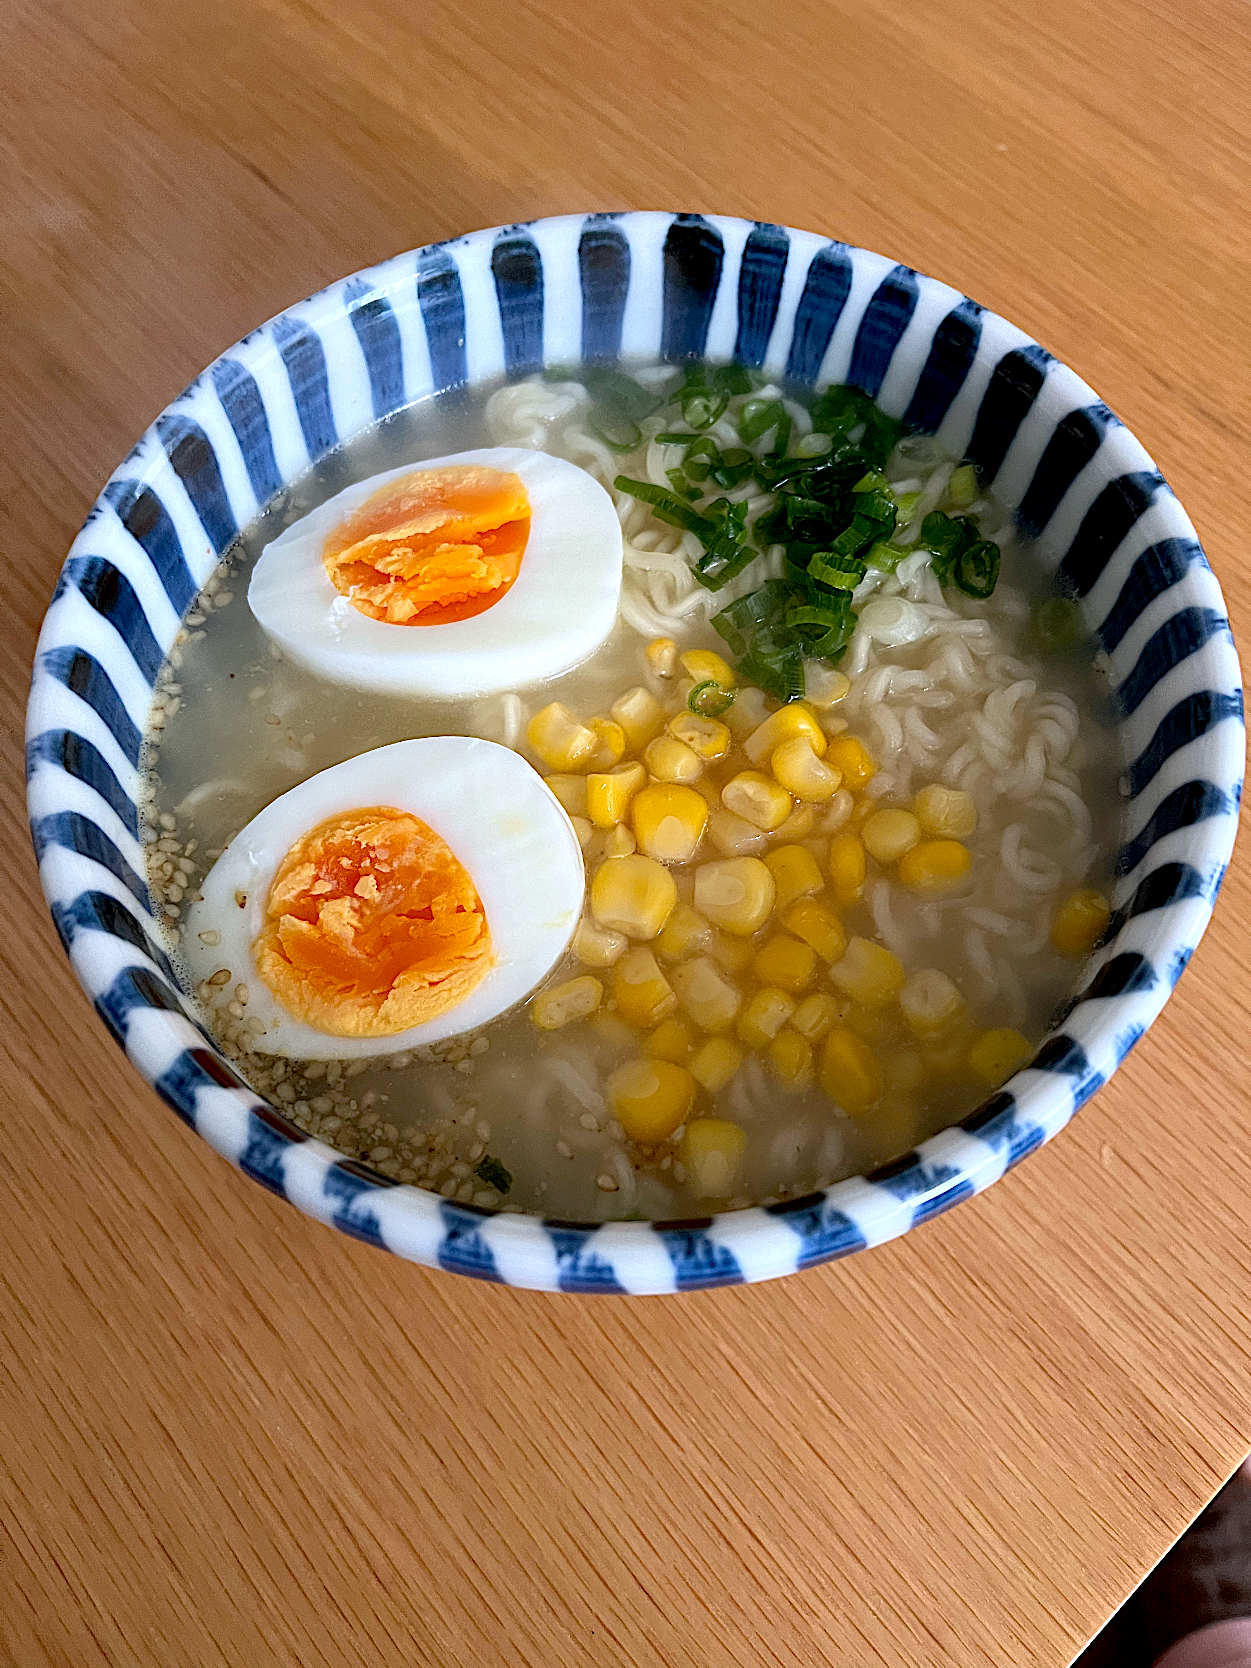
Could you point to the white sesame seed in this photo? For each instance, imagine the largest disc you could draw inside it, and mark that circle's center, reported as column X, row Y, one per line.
column 460, row 1169
column 607, row 1183
column 220, row 978
column 479, row 1046
column 476, row 1151
column 224, row 599
column 464, row 1193
column 486, row 1196
column 564, row 1149
column 483, row 1130
column 588, row 1120
column 448, row 1187
column 377, row 1154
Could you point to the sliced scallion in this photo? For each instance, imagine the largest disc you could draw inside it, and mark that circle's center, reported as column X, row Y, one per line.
column 709, row 699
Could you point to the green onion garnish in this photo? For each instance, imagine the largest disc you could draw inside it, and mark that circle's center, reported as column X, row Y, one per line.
column 962, row 487
column 1056, row 627
column 493, row 1173
column 757, row 417
column 976, row 569
column 664, row 505
column 709, row 699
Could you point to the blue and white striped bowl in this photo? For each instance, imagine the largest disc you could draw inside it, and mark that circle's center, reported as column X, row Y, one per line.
column 595, row 288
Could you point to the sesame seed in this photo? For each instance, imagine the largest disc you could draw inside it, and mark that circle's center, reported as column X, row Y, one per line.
column 221, row 977
column 460, row 1169
column 588, row 1120
column 607, row 1183
column 483, row 1130
column 212, row 937
column 272, row 718
column 564, row 1149
column 464, row 1193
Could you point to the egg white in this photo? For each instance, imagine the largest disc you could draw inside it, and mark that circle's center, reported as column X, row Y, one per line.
column 557, row 611
column 499, row 818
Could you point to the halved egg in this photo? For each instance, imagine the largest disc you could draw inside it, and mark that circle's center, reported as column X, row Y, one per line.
column 462, row 575
column 401, row 897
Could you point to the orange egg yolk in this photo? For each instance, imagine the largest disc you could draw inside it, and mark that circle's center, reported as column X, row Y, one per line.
column 432, row 547
column 372, row 925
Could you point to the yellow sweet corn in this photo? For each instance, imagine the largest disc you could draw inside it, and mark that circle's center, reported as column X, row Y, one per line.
column 736, row 893
column 847, row 867
column 997, row 1054
column 598, row 946
column 611, row 742
column 619, row 842
column 795, row 872
column 750, row 709
column 763, row 1016
column 799, row 825
column 758, row 799
column 824, row 685
column 574, row 999
column 651, row 1098
column 662, row 656
column 671, row 760
column 786, row 962
column 868, row 973
column 712, row 1150
column 947, row 1057
column 947, row 812
column 584, row 828
column 715, row 1063
column 888, row 834
column 802, row 773
column 814, row 1016
column 784, row 725
column 642, row 993
column 733, row 955
column 571, row 792
column 1080, row 922
column 668, row 821
column 791, row 1057
column 685, row 933
column 853, row 758
column 934, row 866
column 703, row 666
column 707, row 737
column 673, row 1040
column 817, row 926
column 608, row 793
column 560, row 740
column 733, row 836
column 930, row 1003
column 705, row 993
column 850, row 1074
column 633, row 895
column 640, row 715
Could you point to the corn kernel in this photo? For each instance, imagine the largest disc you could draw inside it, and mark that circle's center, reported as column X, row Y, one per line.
column 733, row 836
column 634, row 895
column 888, row 834
column 750, row 709
column 872, row 1025
column 853, row 758
column 814, row 1016
column 584, row 828
column 791, row 1056
column 703, row 665
column 671, row 760
column 612, row 1030
column 868, row 973
column 642, row 993
column 611, row 740
column 786, row 962
column 708, row 738
column 903, row 1068
column 930, row 1003
column 575, row 999
column 640, row 715
column 608, row 793
column 802, row 773
column 824, row 685
column 948, row 812
column 784, row 725
column 685, row 933
column 764, row 1016
column 1080, row 922
column 668, row 822
column 619, row 842
column 997, row 1054
column 598, row 946
column 673, row 1040
column 758, row 799
column 712, row 1150
column 571, row 792
column 799, row 825
column 817, row 926
column 705, row 993
column 850, row 1074
column 847, row 867
column 934, row 866
column 795, row 872
column 947, row 1057
column 559, row 739
column 651, row 1098
column 733, row 955
column 736, row 893
column 715, row 1063
column 662, row 656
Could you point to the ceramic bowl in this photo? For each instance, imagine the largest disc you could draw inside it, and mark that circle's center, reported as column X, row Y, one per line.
column 598, row 287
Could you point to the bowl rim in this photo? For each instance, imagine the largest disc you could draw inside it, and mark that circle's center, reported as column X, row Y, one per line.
column 753, row 1243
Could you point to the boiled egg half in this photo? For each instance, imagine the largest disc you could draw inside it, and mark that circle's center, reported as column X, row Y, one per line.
column 407, row 895
column 462, row 575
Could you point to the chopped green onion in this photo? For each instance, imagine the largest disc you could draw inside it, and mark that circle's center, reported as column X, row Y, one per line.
column 831, row 567
column 709, row 699
column 613, row 429
column 731, row 380
column 961, row 488
column 493, row 1173
column 665, row 505
column 813, row 445
column 873, row 481
column 1056, row 627
column 976, row 569
column 675, row 437
column 701, row 410
column 757, row 417
column 885, row 555
column 905, row 504
column 839, row 410
column 682, row 486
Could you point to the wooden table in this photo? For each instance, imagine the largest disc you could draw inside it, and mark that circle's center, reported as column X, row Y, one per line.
column 231, row 1437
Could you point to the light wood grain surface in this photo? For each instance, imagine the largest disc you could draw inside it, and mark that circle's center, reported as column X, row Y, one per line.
column 231, row 1437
